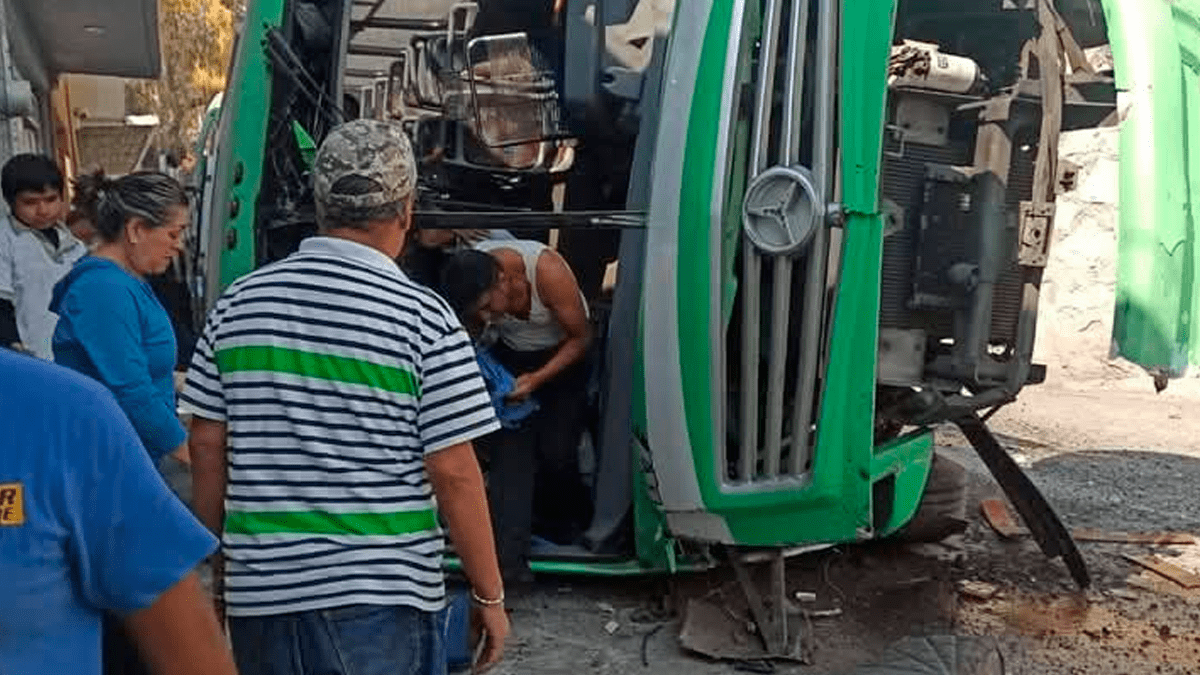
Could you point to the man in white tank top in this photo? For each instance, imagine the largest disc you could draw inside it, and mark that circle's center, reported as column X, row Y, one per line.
column 524, row 296
column 536, row 305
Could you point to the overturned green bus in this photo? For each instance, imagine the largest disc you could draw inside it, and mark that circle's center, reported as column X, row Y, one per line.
column 829, row 221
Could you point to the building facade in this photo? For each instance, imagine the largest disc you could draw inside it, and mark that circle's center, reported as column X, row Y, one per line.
column 45, row 45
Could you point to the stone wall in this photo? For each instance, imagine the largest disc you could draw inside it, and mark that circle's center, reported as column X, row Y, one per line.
column 1075, row 321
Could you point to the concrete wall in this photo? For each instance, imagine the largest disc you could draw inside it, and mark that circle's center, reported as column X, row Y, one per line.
column 97, row 99
column 1075, row 321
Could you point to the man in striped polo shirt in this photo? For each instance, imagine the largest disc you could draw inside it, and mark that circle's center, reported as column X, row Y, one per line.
column 333, row 402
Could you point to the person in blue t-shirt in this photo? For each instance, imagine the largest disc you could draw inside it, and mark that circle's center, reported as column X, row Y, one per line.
column 111, row 326
column 87, row 526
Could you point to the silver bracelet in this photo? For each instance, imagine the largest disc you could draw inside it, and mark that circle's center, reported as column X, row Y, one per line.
column 487, row 603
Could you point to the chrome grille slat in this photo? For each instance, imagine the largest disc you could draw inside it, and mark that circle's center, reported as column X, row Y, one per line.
column 769, row 449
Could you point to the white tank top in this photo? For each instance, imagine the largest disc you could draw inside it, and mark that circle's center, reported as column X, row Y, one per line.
column 540, row 331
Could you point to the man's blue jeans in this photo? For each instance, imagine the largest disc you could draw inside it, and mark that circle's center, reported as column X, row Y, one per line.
column 354, row 640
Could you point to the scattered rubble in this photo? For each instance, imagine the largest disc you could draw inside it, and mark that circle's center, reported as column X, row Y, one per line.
column 1183, row 577
column 978, row 590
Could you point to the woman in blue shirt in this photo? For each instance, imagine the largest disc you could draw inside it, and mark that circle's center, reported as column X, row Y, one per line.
column 112, row 328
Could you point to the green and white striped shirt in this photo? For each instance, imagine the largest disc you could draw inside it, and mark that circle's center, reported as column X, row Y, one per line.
column 336, row 376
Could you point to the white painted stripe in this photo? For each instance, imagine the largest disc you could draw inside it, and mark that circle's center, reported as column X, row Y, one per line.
column 668, row 434
column 722, row 178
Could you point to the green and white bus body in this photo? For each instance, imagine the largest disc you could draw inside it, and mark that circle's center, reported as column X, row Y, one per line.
column 830, row 220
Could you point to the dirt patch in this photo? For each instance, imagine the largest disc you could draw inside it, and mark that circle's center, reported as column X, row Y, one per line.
column 1093, row 635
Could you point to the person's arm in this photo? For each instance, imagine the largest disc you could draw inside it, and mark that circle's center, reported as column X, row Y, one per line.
column 10, row 337
column 105, row 320
column 559, row 291
column 209, row 472
column 206, row 445
column 180, row 635
column 453, row 409
column 462, row 501
column 203, row 397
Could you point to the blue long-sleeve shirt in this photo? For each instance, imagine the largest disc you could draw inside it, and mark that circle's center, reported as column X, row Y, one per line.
column 112, row 328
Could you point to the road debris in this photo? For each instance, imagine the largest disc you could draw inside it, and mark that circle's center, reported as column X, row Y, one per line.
column 978, row 590
column 823, row 613
column 713, row 630
column 1123, row 593
column 1004, row 522
column 1001, row 519
column 1185, row 578
column 612, row 627
column 646, row 644
column 915, row 581
column 756, row 666
column 949, row 550
column 1153, row 583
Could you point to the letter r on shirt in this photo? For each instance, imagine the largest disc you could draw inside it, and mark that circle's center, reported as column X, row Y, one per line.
column 12, row 504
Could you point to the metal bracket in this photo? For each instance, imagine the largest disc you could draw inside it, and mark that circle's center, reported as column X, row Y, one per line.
column 461, row 20
column 770, row 616
column 1036, row 222
column 901, row 138
column 835, row 215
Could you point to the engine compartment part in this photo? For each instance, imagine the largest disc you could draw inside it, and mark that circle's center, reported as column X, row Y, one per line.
column 924, row 66
column 970, row 172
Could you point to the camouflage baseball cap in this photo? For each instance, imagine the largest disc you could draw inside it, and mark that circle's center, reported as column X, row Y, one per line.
column 370, row 149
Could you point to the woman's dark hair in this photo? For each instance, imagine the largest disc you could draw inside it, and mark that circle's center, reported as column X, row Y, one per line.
column 110, row 203
column 466, row 276
column 29, row 173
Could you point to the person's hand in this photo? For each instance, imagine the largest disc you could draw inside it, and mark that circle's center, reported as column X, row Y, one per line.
column 490, row 624
column 181, row 453
column 523, row 388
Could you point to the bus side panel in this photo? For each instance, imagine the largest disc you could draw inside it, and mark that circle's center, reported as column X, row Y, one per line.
column 241, row 145
column 1156, row 50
